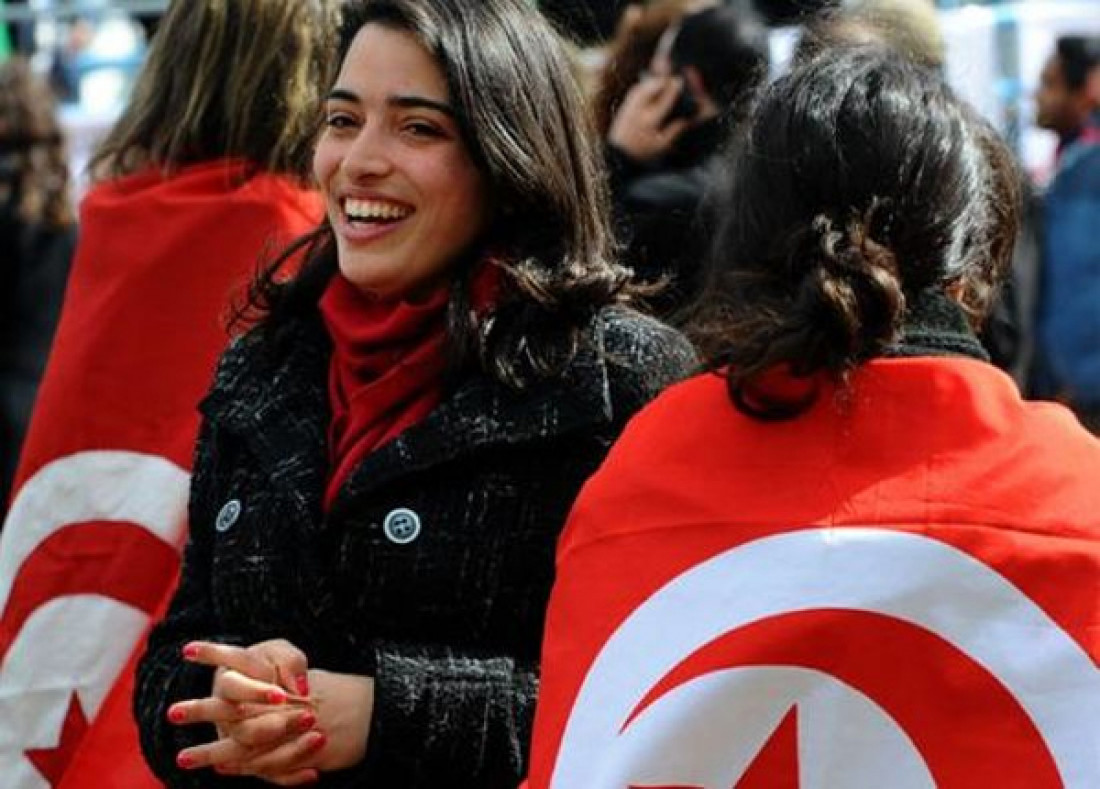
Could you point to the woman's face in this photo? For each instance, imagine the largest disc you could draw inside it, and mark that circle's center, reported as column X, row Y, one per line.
column 402, row 193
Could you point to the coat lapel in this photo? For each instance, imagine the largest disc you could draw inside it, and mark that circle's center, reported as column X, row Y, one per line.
column 281, row 412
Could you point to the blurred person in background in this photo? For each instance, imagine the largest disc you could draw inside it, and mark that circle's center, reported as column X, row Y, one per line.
column 629, row 53
column 1068, row 97
column 1067, row 360
column 911, row 27
column 389, row 451
column 663, row 139
column 851, row 501
column 37, row 236
column 206, row 171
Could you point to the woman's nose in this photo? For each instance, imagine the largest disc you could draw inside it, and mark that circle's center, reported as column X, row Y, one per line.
column 368, row 156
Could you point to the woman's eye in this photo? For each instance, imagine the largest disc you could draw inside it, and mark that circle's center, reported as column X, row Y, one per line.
column 339, row 121
column 421, row 129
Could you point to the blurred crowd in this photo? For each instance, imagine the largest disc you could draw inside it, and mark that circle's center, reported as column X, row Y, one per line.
column 396, row 318
column 668, row 91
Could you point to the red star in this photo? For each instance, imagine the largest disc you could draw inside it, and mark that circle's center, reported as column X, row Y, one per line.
column 775, row 767
column 51, row 762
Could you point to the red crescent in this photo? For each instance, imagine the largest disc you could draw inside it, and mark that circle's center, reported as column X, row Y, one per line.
column 121, row 561
column 936, row 693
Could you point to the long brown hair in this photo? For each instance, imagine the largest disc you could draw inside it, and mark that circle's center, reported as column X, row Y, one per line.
column 34, row 183
column 522, row 115
column 227, row 79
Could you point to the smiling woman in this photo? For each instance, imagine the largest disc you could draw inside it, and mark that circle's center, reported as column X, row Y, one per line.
column 404, row 196
column 389, row 451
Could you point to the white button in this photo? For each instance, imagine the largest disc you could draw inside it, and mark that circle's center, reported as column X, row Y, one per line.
column 401, row 526
column 228, row 515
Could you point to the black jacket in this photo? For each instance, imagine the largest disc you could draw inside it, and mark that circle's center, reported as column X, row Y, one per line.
column 430, row 572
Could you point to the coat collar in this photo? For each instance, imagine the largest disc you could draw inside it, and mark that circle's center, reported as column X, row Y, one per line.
column 280, row 409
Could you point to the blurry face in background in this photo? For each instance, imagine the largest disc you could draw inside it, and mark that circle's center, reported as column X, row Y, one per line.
column 402, row 193
column 1057, row 107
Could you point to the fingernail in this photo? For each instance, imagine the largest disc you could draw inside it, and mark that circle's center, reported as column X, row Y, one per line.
column 317, row 740
column 307, row 721
column 191, row 651
column 185, row 761
column 276, row 696
column 301, row 682
column 177, row 714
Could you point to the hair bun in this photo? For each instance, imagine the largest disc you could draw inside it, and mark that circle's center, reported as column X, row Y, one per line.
column 850, row 297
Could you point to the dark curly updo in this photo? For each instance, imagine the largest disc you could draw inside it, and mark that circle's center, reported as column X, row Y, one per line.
column 862, row 181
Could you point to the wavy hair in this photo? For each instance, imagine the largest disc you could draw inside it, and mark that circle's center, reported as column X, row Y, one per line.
column 34, row 169
column 227, row 79
column 522, row 115
column 862, row 182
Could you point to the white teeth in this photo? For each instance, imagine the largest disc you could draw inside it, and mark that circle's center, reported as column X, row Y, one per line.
column 373, row 209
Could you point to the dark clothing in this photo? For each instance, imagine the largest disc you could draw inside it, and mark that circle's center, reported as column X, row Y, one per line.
column 661, row 213
column 432, row 569
column 36, row 262
column 1068, row 323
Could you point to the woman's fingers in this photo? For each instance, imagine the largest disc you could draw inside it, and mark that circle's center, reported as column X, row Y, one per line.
column 667, row 92
column 239, row 659
column 276, row 661
column 239, row 688
column 289, row 758
column 289, row 663
column 220, row 752
column 273, row 728
column 299, row 778
column 208, row 710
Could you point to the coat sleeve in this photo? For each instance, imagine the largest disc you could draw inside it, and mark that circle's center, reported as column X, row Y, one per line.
column 163, row 677
column 444, row 716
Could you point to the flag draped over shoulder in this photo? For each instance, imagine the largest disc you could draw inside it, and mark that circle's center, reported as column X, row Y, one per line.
column 90, row 547
column 897, row 589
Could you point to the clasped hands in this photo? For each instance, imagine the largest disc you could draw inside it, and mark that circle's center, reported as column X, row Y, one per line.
column 276, row 718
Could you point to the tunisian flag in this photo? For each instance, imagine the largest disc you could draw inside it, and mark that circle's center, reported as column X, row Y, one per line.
column 90, row 545
column 898, row 589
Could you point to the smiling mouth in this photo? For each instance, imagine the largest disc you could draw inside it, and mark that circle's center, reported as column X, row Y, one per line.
column 374, row 212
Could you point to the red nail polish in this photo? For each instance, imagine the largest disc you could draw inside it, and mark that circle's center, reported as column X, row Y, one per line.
column 307, row 721
column 185, row 761
column 317, row 740
column 191, row 651
column 301, row 682
column 276, row 696
column 176, row 714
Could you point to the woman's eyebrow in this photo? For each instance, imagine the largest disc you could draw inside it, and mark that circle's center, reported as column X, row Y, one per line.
column 412, row 102
column 341, row 94
column 402, row 101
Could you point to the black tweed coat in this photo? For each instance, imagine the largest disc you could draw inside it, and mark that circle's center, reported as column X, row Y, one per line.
column 432, row 568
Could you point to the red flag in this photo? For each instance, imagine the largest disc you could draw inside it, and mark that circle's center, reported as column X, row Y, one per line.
column 90, row 545
column 900, row 588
